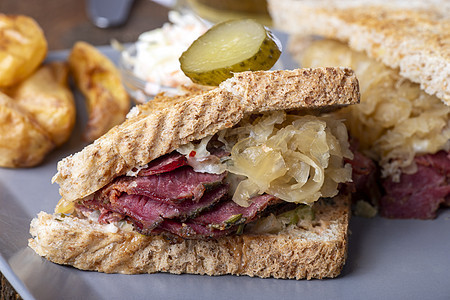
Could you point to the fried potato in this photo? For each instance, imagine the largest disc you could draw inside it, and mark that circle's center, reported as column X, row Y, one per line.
column 23, row 142
column 99, row 80
column 46, row 96
column 22, row 48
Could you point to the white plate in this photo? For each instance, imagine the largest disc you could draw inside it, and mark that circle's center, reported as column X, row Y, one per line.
column 387, row 259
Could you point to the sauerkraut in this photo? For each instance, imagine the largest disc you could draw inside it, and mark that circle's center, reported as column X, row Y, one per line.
column 395, row 120
column 295, row 158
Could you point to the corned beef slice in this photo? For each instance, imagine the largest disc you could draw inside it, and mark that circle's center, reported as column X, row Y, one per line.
column 177, row 200
column 147, row 214
column 143, row 210
column 419, row 195
column 107, row 216
column 224, row 219
column 365, row 174
column 229, row 213
column 364, row 185
column 151, row 212
column 166, row 163
column 172, row 187
column 189, row 209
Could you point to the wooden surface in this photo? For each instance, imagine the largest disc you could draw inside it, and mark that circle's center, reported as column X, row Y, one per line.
column 66, row 21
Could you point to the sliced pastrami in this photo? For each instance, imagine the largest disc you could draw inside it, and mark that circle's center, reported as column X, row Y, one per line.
column 365, row 174
column 149, row 213
column 419, row 195
column 108, row 216
column 170, row 197
column 224, row 219
column 143, row 210
column 228, row 213
column 163, row 164
column 172, row 187
column 189, row 209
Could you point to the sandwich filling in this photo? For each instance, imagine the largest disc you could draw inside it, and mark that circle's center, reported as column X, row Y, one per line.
column 405, row 130
column 214, row 187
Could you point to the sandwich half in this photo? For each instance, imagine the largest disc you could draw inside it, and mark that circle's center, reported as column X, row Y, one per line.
column 400, row 53
column 240, row 179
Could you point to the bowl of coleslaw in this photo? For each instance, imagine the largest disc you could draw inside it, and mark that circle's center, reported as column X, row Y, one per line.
column 151, row 66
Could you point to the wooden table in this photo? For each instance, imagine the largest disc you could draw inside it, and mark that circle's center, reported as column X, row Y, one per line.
column 66, row 21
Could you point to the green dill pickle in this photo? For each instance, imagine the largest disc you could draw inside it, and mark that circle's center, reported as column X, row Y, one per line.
column 230, row 47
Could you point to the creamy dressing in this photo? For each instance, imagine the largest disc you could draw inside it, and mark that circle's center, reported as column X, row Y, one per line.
column 158, row 51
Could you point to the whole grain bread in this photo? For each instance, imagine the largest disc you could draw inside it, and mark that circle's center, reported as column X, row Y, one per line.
column 413, row 36
column 314, row 248
column 160, row 127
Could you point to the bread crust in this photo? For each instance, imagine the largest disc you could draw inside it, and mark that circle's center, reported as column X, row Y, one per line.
column 157, row 128
column 413, row 36
column 314, row 249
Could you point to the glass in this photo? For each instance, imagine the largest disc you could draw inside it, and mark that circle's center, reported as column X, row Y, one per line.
column 217, row 11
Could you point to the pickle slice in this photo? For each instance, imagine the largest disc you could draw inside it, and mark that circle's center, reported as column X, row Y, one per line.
column 230, row 47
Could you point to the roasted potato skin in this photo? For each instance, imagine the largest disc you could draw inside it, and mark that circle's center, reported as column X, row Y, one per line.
column 100, row 82
column 23, row 142
column 23, row 47
column 46, row 96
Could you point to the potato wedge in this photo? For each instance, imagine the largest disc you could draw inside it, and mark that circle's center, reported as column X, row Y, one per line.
column 23, row 143
column 46, row 96
column 100, row 82
column 23, row 48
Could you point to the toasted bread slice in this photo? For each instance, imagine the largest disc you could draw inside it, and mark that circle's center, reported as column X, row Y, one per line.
column 160, row 127
column 313, row 249
column 413, row 36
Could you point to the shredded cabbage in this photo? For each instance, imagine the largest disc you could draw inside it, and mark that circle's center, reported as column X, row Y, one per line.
column 396, row 119
column 295, row 158
column 158, row 51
